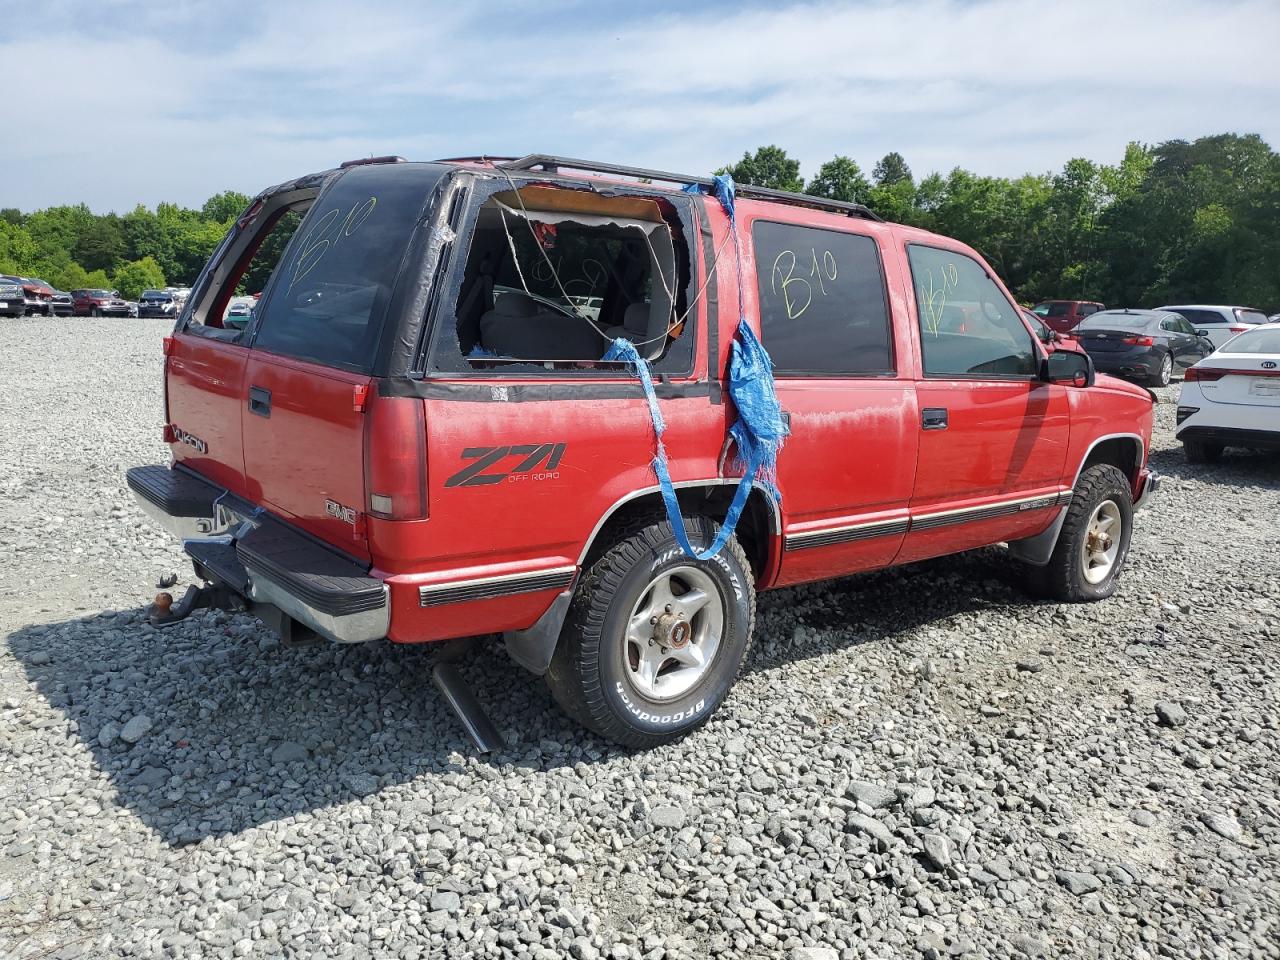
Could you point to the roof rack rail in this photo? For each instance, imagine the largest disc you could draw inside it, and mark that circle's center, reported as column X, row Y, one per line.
column 552, row 164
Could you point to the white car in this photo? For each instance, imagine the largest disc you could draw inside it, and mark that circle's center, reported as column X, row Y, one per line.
column 1231, row 398
column 1218, row 323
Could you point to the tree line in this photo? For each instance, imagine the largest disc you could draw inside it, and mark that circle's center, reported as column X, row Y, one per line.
column 1178, row 222
column 1175, row 222
column 71, row 247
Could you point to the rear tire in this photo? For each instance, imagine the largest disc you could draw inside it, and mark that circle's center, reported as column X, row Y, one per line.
column 609, row 671
column 1202, row 451
column 1164, row 376
column 1094, row 540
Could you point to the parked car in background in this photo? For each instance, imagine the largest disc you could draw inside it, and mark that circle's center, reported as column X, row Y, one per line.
column 1219, row 323
column 1146, row 345
column 1232, row 398
column 98, row 303
column 1064, row 315
column 11, row 301
column 239, row 313
column 157, row 303
column 37, row 296
column 60, row 303
column 133, row 307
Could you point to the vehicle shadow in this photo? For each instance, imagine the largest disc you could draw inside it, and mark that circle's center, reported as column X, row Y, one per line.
column 1238, row 467
column 246, row 732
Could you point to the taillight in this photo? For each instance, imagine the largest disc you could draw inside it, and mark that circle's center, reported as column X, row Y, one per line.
column 395, row 458
column 1139, row 341
column 1203, row 374
column 1238, row 327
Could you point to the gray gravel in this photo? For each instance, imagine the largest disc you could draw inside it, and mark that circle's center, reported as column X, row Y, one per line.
column 916, row 763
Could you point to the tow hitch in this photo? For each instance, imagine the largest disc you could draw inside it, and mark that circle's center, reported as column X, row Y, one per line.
column 164, row 612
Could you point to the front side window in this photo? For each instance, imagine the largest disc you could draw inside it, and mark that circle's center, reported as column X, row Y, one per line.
column 822, row 301
column 968, row 328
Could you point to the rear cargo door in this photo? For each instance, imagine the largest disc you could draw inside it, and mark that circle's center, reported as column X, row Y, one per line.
column 314, row 349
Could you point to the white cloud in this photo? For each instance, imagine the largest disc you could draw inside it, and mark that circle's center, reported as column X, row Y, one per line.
column 160, row 100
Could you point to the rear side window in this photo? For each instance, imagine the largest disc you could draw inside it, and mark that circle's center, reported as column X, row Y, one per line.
column 1054, row 309
column 1202, row 318
column 330, row 293
column 822, row 300
column 968, row 328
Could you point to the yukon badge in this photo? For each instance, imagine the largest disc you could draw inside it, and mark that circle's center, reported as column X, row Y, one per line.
column 339, row 512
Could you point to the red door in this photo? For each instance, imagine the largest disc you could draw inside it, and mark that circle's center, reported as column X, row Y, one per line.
column 844, row 375
column 992, row 436
column 205, row 391
column 304, row 446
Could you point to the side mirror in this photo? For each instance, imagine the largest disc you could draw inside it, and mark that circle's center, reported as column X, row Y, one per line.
column 1068, row 366
column 1203, row 333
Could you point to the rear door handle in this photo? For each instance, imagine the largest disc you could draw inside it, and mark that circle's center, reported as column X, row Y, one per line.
column 934, row 418
column 260, row 401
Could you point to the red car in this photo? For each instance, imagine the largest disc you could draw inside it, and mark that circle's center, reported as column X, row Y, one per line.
column 417, row 438
column 98, row 303
column 37, row 296
column 1063, row 315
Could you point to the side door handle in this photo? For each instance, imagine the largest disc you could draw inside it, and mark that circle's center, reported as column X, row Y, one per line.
column 260, row 401
column 933, row 418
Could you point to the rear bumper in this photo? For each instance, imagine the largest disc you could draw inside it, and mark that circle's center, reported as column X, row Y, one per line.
column 262, row 558
column 1231, row 436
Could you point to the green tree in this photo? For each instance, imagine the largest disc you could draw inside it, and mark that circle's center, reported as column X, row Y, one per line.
column 225, row 206
column 890, row 169
column 767, row 167
column 99, row 243
column 138, row 275
column 840, row 178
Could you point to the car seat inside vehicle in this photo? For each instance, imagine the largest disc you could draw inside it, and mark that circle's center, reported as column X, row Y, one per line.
column 553, row 276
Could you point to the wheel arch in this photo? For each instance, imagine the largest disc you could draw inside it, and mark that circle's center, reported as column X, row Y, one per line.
column 1124, row 451
column 759, row 528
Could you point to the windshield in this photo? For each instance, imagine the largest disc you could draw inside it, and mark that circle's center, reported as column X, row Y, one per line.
column 98, row 293
column 1255, row 341
column 155, row 295
column 1115, row 321
column 1253, row 317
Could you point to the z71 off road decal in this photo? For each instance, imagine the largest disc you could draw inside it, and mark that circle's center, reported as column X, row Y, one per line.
column 537, row 461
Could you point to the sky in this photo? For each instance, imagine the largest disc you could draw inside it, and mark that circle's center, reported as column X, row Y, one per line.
column 120, row 102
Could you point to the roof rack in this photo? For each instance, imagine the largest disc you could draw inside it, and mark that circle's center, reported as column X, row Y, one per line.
column 552, row 164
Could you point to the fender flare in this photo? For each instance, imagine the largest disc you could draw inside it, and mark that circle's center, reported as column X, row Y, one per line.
column 1038, row 549
column 534, row 646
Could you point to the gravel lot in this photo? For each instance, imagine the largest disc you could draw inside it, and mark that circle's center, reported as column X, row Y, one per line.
column 915, row 763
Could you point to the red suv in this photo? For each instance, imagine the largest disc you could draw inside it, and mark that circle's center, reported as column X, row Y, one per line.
column 98, row 303
column 1063, row 315
column 415, row 436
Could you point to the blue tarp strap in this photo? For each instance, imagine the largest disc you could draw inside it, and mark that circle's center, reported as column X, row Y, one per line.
column 759, row 430
column 624, row 350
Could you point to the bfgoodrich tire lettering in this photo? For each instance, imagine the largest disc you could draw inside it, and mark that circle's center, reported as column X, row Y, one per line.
column 589, row 674
column 1102, row 496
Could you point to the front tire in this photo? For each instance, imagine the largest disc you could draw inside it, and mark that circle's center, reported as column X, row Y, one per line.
column 1202, row 451
column 1094, row 540
column 654, row 638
